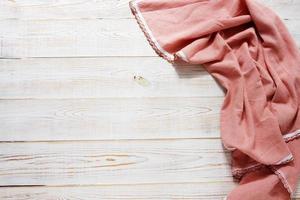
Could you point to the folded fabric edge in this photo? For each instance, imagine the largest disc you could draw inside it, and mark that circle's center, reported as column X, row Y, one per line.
column 291, row 136
column 134, row 7
column 279, row 174
column 238, row 173
column 283, row 180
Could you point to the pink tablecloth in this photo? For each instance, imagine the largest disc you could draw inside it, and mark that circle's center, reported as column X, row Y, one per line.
column 249, row 51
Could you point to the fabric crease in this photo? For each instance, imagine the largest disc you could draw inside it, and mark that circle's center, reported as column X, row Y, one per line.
column 249, row 51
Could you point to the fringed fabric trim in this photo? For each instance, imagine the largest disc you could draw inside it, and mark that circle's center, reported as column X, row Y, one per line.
column 148, row 33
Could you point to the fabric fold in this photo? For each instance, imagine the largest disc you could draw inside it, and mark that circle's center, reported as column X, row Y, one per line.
column 245, row 46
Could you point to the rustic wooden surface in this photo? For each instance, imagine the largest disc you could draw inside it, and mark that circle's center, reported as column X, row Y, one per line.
column 88, row 111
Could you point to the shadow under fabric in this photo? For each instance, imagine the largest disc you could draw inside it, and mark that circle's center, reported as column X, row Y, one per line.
column 246, row 47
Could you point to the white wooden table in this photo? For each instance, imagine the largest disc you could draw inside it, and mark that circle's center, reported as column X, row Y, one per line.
column 88, row 111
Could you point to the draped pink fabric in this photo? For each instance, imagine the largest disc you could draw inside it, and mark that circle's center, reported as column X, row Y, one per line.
column 246, row 47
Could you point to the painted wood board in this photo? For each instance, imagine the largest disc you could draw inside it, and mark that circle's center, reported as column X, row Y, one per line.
column 99, row 9
column 80, row 38
column 109, row 118
column 63, row 78
column 113, row 162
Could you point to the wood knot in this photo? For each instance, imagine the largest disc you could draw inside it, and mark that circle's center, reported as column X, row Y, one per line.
column 141, row 81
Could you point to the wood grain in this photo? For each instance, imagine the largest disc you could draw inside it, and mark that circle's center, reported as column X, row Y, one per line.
column 113, row 162
column 135, row 169
column 107, row 9
column 80, row 38
column 109, row 118
column 104, row 77
column 191, row 191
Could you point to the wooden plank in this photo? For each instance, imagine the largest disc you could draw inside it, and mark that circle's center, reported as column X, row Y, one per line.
column 78, row 9
column 72, row 38
column 80, row 38
column 113, row 162
column 191, row 191
column 109, row 118
column 286, row 9
column 103, row 77
column 64, row 9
